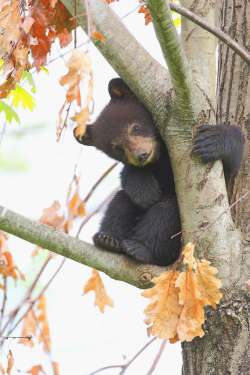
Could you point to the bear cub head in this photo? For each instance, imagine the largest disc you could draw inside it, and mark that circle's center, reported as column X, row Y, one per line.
column 124, row 130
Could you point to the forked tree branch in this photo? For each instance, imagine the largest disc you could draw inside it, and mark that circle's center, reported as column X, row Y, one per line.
column 119, row 267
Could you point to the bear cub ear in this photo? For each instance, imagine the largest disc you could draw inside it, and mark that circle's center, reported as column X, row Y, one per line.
column 86, row 138
column 118, row 89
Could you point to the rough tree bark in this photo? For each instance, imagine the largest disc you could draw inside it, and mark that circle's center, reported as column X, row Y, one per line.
column 225, row 347
column 181, row 99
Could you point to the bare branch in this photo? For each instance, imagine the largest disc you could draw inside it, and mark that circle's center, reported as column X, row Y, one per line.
column 119, row 267
column 212, row 29
column 164, row 343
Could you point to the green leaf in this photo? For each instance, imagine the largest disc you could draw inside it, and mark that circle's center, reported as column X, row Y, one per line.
column 44, row 69
column 22, row 96
column 30, row 79
column 177, row 22
column 9, row 112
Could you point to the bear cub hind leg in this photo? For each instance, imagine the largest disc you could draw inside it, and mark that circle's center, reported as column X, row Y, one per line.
column 119, row 221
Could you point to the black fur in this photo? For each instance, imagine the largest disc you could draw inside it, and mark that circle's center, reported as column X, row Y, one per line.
column 143, row 216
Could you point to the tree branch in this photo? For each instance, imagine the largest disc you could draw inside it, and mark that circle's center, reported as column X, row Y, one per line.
column 173, row 52
column 212, row 29
column 119, row 267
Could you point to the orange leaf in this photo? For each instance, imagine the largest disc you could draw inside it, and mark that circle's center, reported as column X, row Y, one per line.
column 188, row 253
column 29, row 328
column 55, row 368
column 10, row 361
column 10, row 22
column 164, row 308
column 192, row 314
column 50, row 217
column 65, row 38
column 2, row 370
column 35, row 370
column 79, row 66
column 101, row 298
column 81, row 118
column 207, row 283
column 43, row 318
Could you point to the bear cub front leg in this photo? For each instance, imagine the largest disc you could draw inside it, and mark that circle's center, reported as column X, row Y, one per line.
column 141, row 186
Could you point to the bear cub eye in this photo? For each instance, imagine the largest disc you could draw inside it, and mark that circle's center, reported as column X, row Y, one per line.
column 118, row 149
column 136, row 129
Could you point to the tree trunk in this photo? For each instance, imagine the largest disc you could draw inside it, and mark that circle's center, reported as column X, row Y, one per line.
column 224, row 350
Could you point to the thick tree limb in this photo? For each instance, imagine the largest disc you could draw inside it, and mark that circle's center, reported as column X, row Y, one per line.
column 119, row 267
column 173, row 52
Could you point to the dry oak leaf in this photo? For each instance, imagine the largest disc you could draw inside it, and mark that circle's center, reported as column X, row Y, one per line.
column 79, row 66
column 10, row 362
column 207, row 283
column 188, row 253
column 81, row 118
column 35, row 370
column 65, row 38
column 51, row 217
column 38, row 30
column 29, row 328
column 101, row 298
column 43, row 319
column 10, row 21
column 192, row 314
column 164, row 308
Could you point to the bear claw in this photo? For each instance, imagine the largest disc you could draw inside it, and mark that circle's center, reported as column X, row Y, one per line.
column 107, row 241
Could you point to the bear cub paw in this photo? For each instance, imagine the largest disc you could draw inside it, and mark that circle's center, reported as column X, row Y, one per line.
column 108, row 241
column 137, row 251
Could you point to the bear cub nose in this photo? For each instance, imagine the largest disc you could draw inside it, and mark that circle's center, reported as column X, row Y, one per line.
column 142, row 156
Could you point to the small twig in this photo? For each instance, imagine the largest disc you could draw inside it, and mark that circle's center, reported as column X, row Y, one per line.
column 132, row 360
column 212, row 29
column 17, row 337
column 65, row 122
column 99, row 181
column 157, row 357
column 212, row 222
column 124, row 367
column 75, row 23
column 132, row 11
column 88, row 18
column 96, row 210
column 39, row 296
column 78, row 15
column 3, row 132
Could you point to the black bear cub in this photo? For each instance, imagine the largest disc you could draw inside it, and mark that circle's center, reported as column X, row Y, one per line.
column 143, row 216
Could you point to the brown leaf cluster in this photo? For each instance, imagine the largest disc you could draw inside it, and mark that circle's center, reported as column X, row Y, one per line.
column 176, row 304
column 101, row 298
column 36, row 31
column 7, row 263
